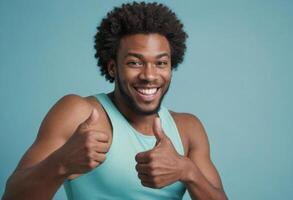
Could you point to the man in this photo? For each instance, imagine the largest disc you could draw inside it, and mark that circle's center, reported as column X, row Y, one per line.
column 123, row 145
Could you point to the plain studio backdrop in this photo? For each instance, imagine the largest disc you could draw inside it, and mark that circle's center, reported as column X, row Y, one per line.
column 236, row 77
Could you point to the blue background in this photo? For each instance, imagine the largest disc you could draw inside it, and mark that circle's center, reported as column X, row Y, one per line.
column 236, row 77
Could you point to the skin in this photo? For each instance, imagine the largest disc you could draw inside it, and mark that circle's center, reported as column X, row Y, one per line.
column 76, row 134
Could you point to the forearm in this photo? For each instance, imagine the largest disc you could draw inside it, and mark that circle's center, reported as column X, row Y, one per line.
column 199, row 187
column 40, row 181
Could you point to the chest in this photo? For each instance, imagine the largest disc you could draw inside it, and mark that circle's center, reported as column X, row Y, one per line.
column 107, row 127
column 117, row 176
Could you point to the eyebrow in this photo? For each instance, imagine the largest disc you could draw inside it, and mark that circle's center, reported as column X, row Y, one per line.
column 140, row 56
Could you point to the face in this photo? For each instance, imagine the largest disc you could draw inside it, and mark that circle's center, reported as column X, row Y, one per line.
column 143, row 72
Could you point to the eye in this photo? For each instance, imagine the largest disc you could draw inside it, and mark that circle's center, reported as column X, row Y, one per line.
column 134, row 63
column 162, row 63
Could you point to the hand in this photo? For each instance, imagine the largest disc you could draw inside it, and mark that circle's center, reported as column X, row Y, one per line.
column 85, row 149
column 162, row 165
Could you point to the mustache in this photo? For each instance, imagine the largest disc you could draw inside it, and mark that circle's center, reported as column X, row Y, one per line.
column 148, row 83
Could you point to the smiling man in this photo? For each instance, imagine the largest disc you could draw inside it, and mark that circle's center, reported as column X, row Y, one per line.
column 145, row 75
column 125, row 144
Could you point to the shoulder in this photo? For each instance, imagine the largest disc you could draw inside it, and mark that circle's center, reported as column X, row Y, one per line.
column 186, row 119
column 191, row 130
column 66, row 114
column 188, row 122
column 72, row 106
column 76, row 106
column 72, row 103
column 57, row 127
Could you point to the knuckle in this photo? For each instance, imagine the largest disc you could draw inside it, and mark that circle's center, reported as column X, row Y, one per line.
column 156, row 180
column 105, row 136
column 91, row 164
column 107, row 148
column 104, row 147
column 152, row 156
column 152, row 173
column 152, row 166
column 89, row 156
column 88, row 145
column 103, row 157
column 108, row 145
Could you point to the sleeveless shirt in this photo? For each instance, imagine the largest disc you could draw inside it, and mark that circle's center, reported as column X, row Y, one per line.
column 116, row 177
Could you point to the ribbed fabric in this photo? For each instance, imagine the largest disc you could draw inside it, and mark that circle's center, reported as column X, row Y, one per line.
column 117, row 178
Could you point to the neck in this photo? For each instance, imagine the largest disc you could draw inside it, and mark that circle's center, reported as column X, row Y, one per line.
column 142, row 123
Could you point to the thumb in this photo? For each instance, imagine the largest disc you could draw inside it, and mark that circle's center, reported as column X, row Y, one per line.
column 158, row 131
column 92, row 119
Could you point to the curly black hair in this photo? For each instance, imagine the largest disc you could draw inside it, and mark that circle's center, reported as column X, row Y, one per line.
column 133, row 18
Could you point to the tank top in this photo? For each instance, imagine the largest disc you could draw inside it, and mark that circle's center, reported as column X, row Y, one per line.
column 116, row 177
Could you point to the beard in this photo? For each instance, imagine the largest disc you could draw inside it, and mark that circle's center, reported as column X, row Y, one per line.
column 133, row 105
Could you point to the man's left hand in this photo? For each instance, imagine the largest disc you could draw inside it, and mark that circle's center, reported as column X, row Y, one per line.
column 162, row 165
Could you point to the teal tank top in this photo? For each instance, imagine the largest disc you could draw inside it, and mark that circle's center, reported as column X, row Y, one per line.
column 117, row 178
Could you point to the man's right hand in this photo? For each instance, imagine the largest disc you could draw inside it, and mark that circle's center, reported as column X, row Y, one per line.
column 86, row 148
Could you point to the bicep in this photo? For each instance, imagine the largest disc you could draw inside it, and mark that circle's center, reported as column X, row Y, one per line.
column 199, row 153
column 39, row 150
column 57, row 126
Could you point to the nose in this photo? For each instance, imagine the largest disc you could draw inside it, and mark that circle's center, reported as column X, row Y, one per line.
column 148, row 72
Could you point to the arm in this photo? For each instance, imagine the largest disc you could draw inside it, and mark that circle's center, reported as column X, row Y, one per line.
column 162, row 165
column 200, row 175
column 40, row 172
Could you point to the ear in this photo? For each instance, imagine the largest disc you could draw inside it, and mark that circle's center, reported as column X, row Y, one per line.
column 111, row 67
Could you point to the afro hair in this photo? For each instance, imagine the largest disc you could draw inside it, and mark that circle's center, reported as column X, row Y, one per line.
column 134, row 18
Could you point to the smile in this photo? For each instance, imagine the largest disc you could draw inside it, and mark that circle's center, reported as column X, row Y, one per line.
column 147, row 91
column 147, row 94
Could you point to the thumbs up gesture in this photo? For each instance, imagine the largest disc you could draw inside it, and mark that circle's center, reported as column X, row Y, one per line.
column 86, row 148
column 162, row 165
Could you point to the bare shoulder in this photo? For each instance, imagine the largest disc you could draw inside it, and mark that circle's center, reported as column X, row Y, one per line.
column 191, row 130
column 57, row 126
column 196, row 138
column 67, row 113
column 186, row 119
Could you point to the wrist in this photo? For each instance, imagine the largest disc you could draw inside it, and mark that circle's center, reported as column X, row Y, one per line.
column 57, row 166
column 188, row 170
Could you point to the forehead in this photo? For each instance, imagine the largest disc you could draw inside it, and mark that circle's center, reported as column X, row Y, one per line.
column 145, row 44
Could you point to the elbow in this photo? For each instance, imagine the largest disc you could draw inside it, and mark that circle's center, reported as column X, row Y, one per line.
column 7, row 192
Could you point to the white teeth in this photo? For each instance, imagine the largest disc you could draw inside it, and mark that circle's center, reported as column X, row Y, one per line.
column 148, row 91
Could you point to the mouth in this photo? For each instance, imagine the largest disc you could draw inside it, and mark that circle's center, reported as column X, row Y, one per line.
column 147, row 94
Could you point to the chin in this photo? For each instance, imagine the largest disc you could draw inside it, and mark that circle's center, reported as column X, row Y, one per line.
column 146, row 111
column 148, row 108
